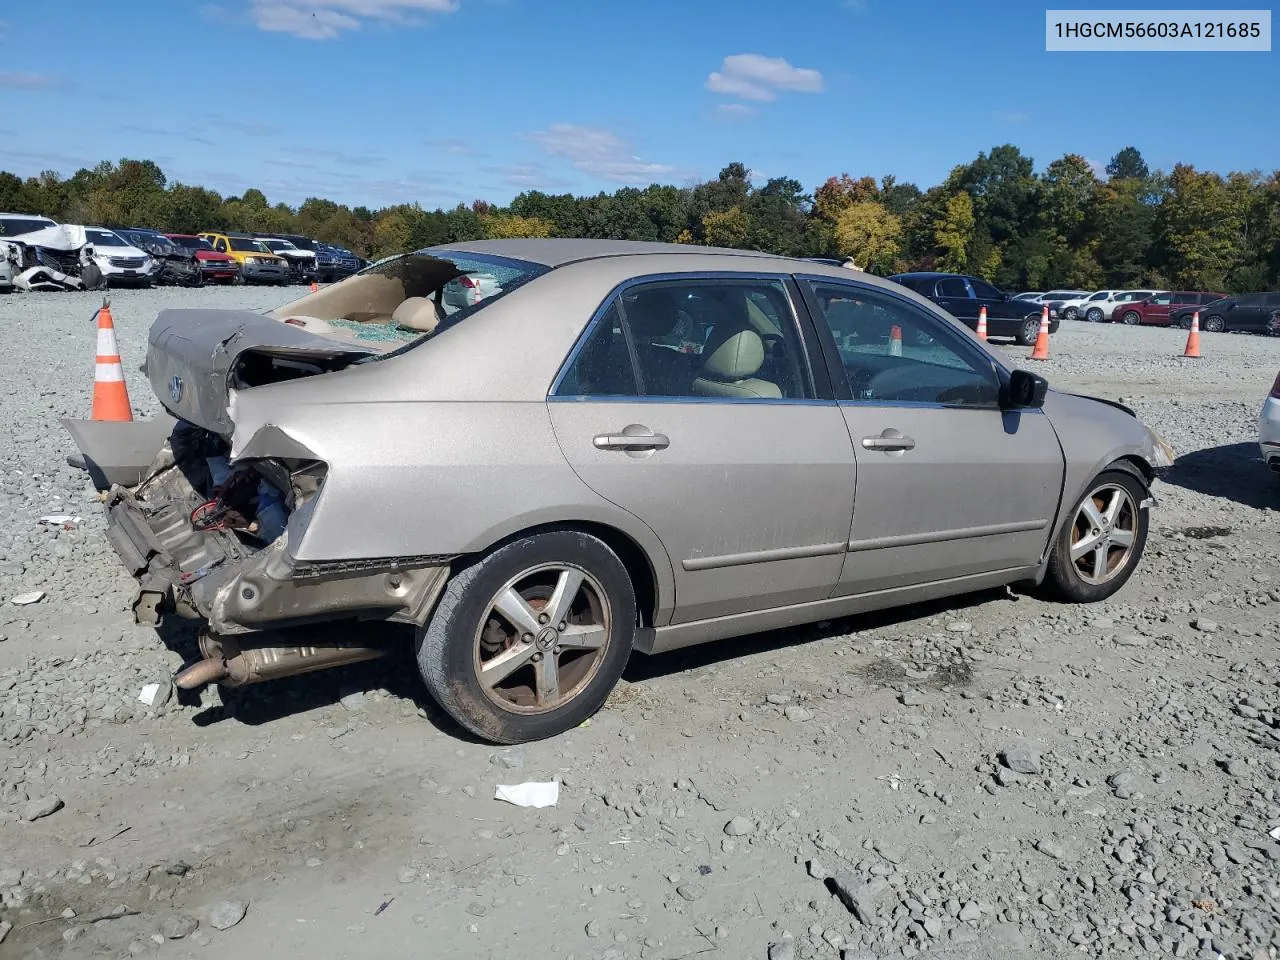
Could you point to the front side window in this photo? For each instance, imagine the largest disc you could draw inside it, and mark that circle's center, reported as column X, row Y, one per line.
column 953, row 288
column 1099, row 296
column 728, row 339
column 893, row 352
column 984, row 290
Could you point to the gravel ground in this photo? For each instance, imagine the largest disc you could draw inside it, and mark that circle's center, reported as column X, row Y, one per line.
column 995, row 776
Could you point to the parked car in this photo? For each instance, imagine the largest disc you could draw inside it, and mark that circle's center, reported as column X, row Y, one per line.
column 1032, row 296
column 1055, row 297
column 1076, row 307
column 1269, row 428
column 1104, row 311
column 257, row 263
column 302, row 263
column 963, row 296
column 13, row 224
column 1251, row 312
column 10, row 265
column 595, row 493
column 172, row 265
column 469, row 289
column 335, row 263
column 215, row 265
column 1156, row 309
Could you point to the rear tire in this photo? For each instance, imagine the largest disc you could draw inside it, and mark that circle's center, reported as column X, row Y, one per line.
column 541, row 680
column 1099, row 547
column 1071, row 313
column 1131, row 318
column 1185, row 323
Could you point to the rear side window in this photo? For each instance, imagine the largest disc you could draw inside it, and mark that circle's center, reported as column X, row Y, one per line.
column 984, row 290
column 1186, row 298
column 603, row 366
column 953, row 288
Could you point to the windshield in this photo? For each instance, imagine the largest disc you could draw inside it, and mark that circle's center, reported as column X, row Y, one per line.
column 104, row 238
column 12, row 226
column 243, row 244
column 192, row 243
column 275, row 246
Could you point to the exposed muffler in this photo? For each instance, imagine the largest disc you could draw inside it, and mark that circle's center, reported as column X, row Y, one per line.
column 240, row 661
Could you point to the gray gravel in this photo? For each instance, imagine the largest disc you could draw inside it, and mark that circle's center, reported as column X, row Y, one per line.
column 997, row 776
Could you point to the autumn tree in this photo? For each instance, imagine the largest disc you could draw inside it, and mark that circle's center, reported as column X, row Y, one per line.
column 870, row 234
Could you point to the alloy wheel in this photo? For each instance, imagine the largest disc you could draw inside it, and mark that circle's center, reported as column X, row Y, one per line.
column 1132, row 318
column 542, row 638
column 1103, row 534
column 1214, row 324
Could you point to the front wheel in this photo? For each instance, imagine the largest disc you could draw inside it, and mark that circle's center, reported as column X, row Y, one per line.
column 1071, row 313
column 1185, row 322
column 1099, row 548
column 1214, row 324
column 1131, row 318
column 1029, row 331
column 529, row 641
column 1094, row 315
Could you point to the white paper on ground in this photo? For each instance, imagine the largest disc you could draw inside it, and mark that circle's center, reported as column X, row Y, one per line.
column 22, row 599
column 148, row 694
column 529, row 794
column 60, row 519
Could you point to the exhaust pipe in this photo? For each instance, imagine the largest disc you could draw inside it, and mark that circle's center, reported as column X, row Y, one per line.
column 232, row 663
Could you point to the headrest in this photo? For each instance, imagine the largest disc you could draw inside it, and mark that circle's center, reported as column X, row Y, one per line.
column 652, row 313
column 417, row 313
column 740, row 357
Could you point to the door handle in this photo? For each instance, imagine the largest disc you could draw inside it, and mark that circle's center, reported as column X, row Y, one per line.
column 889, row 441
column 626, row 441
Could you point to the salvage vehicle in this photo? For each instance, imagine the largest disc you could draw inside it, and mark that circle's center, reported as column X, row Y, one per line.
column 1269, row 428
column 964, row 297
column 216, row 266
column 14, row 224
column 302, row 263
column 257, row 263
column 335, row 263
column 595, row 492
column 72, row 257
column 172, row 265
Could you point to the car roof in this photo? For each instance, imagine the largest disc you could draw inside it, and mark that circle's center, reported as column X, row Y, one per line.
column 929, row 275
column 555, row 252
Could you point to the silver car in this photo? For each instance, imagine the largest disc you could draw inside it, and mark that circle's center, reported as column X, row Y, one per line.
column 628, row 446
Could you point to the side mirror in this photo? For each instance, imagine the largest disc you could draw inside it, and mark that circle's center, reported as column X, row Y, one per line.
column 1025, row 390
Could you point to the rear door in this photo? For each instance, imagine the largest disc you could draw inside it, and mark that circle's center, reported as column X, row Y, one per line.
column 691, row 404
column 954, row 295
column 949, row 485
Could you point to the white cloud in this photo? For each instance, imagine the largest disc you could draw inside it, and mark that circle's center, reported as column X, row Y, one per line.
column 22, row 80
column 454, row 147
column 753, row 76
column 599, row 153
column 328, row 19
column 734, row 111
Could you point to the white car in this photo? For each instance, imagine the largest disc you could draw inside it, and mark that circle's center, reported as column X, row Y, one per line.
column 1269, row 428
column 12, row 224
column 302, row 263
column 119, row 261
column 1076, row 307
column 69, row 250
column 1096, row 311
column 1031, row 296
column 469, row 289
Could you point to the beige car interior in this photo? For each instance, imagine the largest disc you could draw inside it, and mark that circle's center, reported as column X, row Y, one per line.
column 730, row 368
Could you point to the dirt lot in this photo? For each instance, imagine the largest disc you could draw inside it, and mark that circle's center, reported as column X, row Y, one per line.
column 998, row 776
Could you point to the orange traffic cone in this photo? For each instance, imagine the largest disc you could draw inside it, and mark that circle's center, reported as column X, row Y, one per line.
column 1193, row 337
column 982, row 323
column 1041, row 352
column 315, row 287
column 110, row 396
column 895, row 341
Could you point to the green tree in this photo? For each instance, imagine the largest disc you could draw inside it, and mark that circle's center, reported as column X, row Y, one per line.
column 1128, row 165
column 870, row 234
column 725, row 228
column 1200, row 229
column 954, row 234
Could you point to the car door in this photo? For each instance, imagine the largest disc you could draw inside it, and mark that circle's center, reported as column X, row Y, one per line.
column 998, row 306
column 949, row 484
column 1159, row 307
column 954, row 295
column 692, row 405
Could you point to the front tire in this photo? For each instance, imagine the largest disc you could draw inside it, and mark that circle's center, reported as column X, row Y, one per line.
column 1215, row 324
column 1071, row 313
column 1100, row 546
column 1094, row 315
column 530, row 640
column 1131, row 318
column 1029, row 331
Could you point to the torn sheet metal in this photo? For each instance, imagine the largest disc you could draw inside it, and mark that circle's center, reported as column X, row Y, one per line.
column 47, row 279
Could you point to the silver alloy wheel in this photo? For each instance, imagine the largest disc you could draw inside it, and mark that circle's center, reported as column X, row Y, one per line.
column 1132, row 318
column 1214, row 324
column 1103, row 534
column 542, row 638
column 1070, row 313
column 1030, row 330
column 1094, row 315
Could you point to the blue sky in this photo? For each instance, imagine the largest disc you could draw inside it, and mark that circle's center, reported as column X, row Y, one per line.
column 439, row 101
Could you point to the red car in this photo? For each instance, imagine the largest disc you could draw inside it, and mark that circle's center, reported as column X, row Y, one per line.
column 1155, row 310
column 213, row 264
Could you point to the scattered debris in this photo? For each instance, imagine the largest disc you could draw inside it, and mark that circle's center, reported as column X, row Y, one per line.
column 227, row 913
column 529, row 794
column 26, row 599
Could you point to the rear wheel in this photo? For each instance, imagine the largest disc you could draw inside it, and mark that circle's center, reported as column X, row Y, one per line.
column 1071, row 313
column 1214, row 324
column 1098, row 550
column 1131, row 317
column 529, row 641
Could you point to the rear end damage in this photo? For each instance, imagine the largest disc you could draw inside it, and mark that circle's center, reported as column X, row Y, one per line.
column 207, row 530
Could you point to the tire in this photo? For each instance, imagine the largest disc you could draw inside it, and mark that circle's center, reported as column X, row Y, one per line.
column 238, row 279
column 1214, row 324
column 1094, row 315
column 1071, row 313
column 1185, row 322
column 1028, row 332
column 466, row 624
column 1131, row 318
column 1069, row 580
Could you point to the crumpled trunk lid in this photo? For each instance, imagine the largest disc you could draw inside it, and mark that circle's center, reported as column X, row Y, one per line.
column 196, row 359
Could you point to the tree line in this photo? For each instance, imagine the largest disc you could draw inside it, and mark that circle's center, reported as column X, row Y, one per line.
column 994, row 217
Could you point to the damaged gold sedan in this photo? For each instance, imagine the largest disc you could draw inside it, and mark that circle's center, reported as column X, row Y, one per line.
column 541, row 455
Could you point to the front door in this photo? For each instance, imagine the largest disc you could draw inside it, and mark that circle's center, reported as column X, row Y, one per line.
column 949, row 484
column 690, row 404
column 955, row 296
column 1159, row 307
